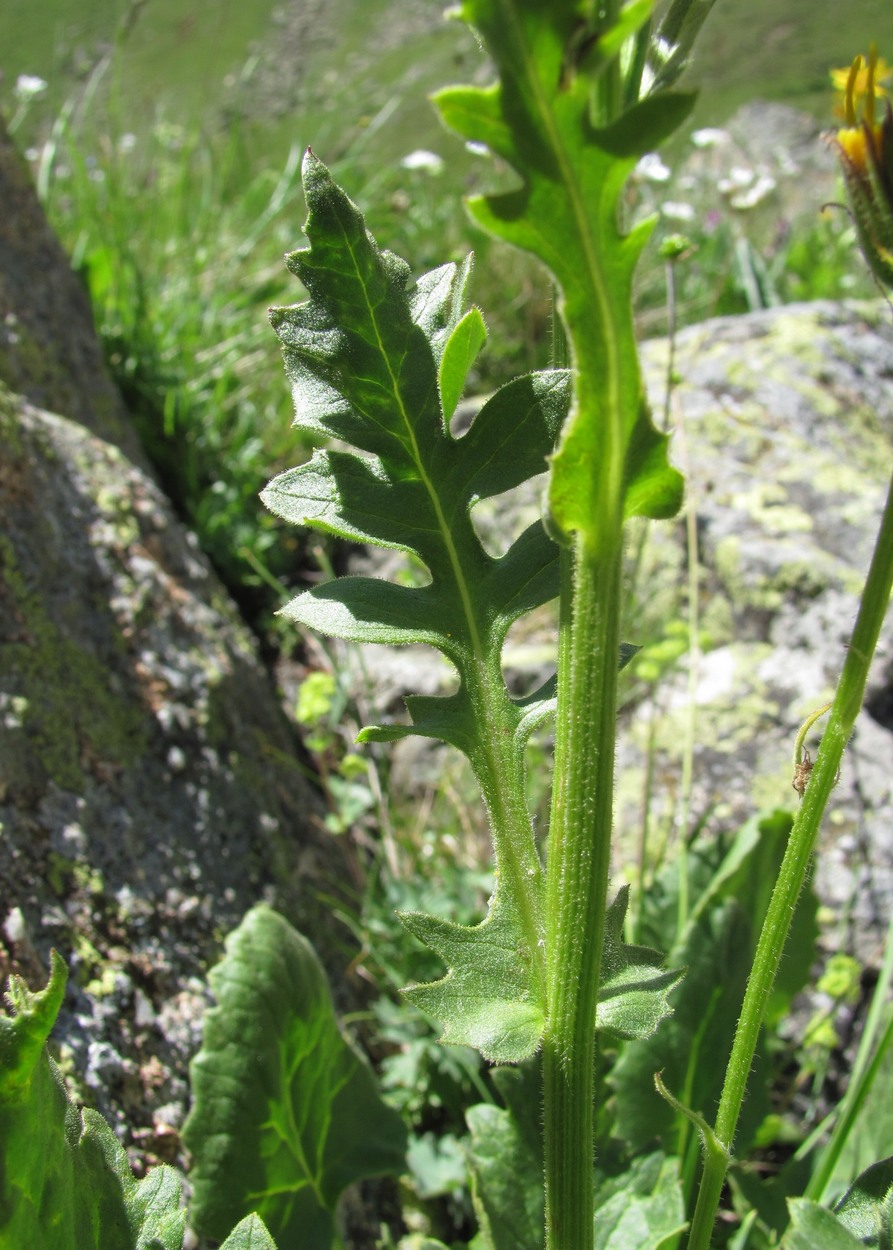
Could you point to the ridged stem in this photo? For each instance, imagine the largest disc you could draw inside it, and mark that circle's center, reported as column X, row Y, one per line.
column 577, row 882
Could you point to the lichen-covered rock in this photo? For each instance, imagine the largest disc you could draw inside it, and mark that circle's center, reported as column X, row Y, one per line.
column 151, row 789
column 150, row 786
column 786, row 421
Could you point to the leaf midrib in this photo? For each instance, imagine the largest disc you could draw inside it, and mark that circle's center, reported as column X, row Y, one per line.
column 445, row 531
column 595, row 276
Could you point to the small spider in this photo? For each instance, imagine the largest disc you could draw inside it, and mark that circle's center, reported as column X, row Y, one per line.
column 802, row 772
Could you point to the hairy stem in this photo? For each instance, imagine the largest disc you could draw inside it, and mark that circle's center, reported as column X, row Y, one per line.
column 579, row 860
column 844, row 710
column 500, row 774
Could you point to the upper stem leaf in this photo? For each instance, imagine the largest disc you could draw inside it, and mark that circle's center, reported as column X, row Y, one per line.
column 611, row 461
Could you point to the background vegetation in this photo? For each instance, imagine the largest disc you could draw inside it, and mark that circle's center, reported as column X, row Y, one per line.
column 166, row 146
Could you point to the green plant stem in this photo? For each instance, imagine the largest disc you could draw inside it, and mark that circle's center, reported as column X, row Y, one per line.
column 683, row 809
column 844, row 710
column 577, row 882
column 609, row 83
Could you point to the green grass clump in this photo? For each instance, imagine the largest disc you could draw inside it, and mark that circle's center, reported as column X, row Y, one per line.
column 174, row 246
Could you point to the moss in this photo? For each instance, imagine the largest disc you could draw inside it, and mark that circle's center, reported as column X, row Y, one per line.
column 63, row 874
column 73, row 719
column 103, row 985
column 10, row 431
column 43, row 374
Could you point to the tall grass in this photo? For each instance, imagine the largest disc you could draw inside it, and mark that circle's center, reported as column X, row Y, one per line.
column 174, row 245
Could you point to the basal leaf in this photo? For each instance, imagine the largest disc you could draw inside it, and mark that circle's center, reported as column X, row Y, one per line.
column 65, row 1182
column 813, row 1227
column 643, row 1209
column 23, row 1035
column 871, row 1136
column 716, row 950
column 611, row 461
column 866, row 1209
column 286, row 1112
column 505, row 1157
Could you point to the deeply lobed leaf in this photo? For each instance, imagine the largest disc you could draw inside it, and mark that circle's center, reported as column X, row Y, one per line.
column 381, row 368
column 611, row 462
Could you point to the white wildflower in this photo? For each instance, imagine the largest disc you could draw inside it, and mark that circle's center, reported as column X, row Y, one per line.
column 652, row 168
column 677, row 210
column 430, row 162
column 754, row 194
column 709, row 137
column 28, row 86
column 738, row 178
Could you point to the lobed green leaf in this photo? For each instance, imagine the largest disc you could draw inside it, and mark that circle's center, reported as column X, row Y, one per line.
column 611, row 461
column 485, row 999
column 382, row 368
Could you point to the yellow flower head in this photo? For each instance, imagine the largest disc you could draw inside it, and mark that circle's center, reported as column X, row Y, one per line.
column 859, row 87
column 861, row 82
column 866, row 154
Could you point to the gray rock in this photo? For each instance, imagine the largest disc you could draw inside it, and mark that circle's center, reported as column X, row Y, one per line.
column 151, row 787
column 788, row 416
